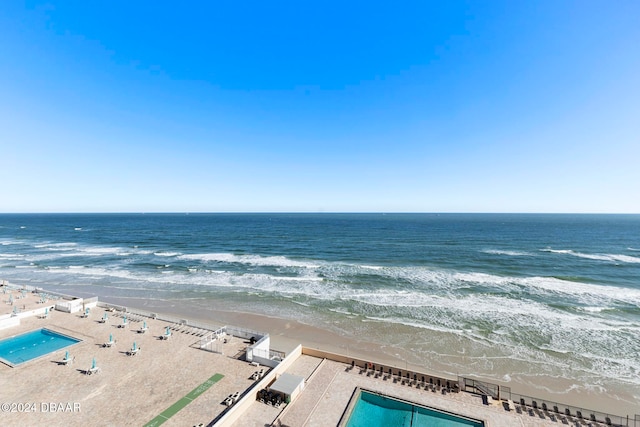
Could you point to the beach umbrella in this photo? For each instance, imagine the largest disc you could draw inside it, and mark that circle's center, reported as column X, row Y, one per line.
column 105, row 316
column 46, row 311
column 110, row 337
column 93, row 363
column 167, row 332
column 66, row 355
column 144, row 324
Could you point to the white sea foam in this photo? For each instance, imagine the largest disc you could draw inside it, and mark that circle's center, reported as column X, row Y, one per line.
column 592, row 309
column 275, row 261
column 12, row 257
column 64, row 246
column 506, row 252
column 167, row 254
column 596, row 257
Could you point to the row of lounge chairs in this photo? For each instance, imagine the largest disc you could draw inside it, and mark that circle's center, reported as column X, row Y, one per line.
column 555, row 413
column 407, row 378
column 189, row 330
column 176, row 327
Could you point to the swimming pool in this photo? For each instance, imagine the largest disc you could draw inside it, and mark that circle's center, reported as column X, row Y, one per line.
column 374, row 410
column 31, row 345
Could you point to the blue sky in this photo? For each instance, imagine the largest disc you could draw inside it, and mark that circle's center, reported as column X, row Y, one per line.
column 449, row 106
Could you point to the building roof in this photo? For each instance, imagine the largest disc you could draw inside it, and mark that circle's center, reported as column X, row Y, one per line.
column 287, row 384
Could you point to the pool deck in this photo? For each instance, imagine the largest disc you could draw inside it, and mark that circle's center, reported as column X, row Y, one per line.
column 186, row 385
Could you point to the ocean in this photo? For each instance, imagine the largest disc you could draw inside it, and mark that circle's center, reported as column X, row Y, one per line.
column 548, row 301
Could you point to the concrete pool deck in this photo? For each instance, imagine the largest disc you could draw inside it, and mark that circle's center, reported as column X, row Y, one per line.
column 175, row 383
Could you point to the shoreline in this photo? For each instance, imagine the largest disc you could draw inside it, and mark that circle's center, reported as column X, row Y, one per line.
column 286, row 334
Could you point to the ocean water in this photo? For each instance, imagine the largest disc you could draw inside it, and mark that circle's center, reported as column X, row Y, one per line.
column 511, row 298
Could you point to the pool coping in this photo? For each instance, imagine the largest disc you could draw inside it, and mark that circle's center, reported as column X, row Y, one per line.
column 26, row 362
column 346, row 415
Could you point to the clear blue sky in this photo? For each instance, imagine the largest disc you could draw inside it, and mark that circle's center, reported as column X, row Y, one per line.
column 447, row 106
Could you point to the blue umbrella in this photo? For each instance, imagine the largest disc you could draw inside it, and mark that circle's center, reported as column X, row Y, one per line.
column 93, row 364
column 110, row 337
column 144, row 324
column 134, row 346
column 66, row 355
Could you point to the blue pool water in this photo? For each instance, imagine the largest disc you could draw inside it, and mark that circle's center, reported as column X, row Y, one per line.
column 34, row 344
column 372, row 410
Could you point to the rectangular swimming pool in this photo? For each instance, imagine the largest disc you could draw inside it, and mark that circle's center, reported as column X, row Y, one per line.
column 375, row 410
column 31, row 345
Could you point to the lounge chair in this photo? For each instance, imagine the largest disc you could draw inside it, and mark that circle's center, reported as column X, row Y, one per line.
column 124, row 323
column 166, row 335
column 109, row 343
column 94, row 369
column 134, row 350
column 143, row 328
column 104, row 319
column 67, row 360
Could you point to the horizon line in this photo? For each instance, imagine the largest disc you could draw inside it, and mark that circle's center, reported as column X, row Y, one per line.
column 178, row 212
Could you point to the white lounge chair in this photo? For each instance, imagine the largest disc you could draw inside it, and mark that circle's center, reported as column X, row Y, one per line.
column 67, row 360
column 94, row 369
column 166, row 335
column 134, row 350
column 144, row 328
